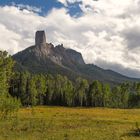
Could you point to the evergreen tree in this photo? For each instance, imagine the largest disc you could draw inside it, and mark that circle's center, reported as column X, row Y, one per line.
column 23, row 85
column 6, row 71
column 32, row 91
column 41, row 88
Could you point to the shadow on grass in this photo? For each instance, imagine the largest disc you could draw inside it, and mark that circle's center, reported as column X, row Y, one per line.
column 135, row 132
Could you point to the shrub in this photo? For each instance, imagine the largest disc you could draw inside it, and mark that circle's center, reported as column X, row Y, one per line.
column 8, row 106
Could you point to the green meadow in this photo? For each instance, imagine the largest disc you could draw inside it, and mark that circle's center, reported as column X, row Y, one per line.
column 61, row 123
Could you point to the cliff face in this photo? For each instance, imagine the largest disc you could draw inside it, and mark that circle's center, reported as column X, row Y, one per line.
column 46, row 58
column 75, row 56
column 40, row 38
column 43, row 52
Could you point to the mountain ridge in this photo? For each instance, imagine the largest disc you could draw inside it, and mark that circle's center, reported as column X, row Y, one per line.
column 46, row 58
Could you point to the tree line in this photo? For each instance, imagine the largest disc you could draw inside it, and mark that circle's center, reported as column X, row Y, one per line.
column 38, row 89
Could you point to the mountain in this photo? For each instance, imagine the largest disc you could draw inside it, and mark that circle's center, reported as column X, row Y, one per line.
column 46, row 58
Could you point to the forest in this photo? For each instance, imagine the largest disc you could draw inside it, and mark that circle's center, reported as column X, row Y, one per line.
column 29, row 89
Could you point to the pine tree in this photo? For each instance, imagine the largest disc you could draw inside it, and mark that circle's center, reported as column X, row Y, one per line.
column 41, row 88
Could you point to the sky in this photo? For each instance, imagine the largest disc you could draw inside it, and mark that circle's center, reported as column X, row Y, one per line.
column 106, row 32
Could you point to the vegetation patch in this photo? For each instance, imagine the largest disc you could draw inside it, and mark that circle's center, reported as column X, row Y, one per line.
column 47, row 123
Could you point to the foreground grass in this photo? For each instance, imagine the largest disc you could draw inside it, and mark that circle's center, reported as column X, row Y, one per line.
column 59, row 123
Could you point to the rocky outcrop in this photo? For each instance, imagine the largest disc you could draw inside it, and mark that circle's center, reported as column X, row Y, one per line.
column 43, row 51
column 40, row 38
column 75, row 56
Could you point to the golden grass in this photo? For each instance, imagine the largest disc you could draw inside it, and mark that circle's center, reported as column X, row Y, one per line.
column 61, row 123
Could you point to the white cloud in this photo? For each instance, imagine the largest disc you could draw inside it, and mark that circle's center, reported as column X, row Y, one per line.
column 27, row 7
column 66, row 2
column 63, row 1
column 107, row 33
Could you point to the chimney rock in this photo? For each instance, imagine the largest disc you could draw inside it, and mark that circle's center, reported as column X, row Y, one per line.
column 40, row 38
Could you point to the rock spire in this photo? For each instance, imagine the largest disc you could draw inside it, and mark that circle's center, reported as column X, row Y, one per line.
column 40, row 38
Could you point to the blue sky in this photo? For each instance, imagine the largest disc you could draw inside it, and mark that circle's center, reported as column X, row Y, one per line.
column 106, row 32
column 46, row 5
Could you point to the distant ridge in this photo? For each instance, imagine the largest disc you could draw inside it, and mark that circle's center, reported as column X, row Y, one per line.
column 45, row 58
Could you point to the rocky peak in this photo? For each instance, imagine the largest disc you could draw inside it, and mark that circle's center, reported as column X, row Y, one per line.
column 40, row 38
column 75, row 56
column 44, row 51
column 60, row 46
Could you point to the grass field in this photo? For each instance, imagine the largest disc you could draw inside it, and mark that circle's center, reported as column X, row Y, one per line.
column 59, row 123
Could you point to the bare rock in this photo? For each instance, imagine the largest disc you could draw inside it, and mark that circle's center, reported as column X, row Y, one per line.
column 40, row 38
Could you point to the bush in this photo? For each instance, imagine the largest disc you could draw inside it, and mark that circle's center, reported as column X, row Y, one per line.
column 8, row 106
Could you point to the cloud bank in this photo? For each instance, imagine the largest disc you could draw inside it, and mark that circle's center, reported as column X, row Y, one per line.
column 107, row 33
